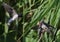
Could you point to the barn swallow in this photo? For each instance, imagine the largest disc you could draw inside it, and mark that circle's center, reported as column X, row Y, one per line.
column 41, row 28
column 12, row 12
column 44, row 27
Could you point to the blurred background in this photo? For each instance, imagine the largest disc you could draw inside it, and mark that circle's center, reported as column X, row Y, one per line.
column 33, row 11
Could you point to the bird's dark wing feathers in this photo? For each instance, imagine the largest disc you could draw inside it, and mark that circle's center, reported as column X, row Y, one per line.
column 48, row 25
column 9, row 9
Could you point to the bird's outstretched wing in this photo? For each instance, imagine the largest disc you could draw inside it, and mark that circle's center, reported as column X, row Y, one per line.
column 9, row 9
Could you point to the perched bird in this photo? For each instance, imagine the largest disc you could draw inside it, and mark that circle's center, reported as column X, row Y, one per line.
column 12, row 12
column 44, row 27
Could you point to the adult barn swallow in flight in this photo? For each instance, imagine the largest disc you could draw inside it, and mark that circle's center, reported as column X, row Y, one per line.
column 12, row 12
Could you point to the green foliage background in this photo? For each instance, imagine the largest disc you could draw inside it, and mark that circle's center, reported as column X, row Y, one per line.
column 20, row 30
